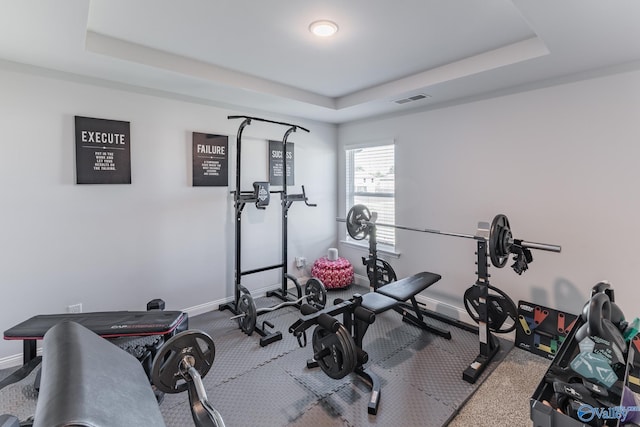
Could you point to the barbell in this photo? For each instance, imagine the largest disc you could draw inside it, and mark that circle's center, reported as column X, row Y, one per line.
column 181, row 364
column 360, row 222
column 315, row 294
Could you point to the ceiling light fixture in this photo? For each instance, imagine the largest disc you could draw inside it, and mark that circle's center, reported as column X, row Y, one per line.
column 323, row 28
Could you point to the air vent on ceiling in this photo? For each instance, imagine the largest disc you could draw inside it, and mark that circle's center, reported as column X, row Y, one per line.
column 417, row 97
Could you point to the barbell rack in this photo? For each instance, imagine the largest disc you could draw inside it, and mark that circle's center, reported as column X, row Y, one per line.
column 494, row 241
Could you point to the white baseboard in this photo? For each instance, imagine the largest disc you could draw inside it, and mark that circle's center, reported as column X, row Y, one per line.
column 436, row 306
column 12, row 361
column 206, row 307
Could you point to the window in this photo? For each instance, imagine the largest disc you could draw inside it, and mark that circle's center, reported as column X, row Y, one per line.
column 370, row 181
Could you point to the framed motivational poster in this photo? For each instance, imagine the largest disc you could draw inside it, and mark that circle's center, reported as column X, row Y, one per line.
column 103, row 151
column 210, row 160
column 275, row 163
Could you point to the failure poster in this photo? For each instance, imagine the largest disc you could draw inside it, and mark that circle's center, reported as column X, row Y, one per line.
column 210, row 160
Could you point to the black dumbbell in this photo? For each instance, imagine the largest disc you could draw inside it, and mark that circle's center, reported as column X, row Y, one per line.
column 155, row 304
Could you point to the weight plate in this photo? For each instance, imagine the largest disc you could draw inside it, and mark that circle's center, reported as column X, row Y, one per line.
column 351, row 351
column 338, row 351
column 358, row 222
column 500, row 240
column 190, row 348
column 502, row 312
column 247, row 307
column 316, row 293
column 385, row 272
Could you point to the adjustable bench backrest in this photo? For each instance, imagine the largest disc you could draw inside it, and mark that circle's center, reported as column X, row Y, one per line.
column 88, row 381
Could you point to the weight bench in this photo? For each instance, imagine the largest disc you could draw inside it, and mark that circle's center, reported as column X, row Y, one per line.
column 88, row 381
column 397, row 295
column 107, row 324
column 338, row 348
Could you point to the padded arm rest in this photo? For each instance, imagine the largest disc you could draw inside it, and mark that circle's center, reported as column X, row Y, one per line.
column 88, row 381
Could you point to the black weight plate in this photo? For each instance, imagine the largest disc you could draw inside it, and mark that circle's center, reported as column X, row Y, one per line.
column 502, row 311
column 341, row 355
column 358, row 222
column 500, row 240
column 386, row 274
column 350, row 349
column 247, row 307
column 190, row 348
column 316, row 293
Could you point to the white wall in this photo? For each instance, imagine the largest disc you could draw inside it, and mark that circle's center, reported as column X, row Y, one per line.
column 115, row 247
column 561, row 162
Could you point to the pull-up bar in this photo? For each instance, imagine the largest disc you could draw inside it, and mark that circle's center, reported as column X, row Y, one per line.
column 258, row 119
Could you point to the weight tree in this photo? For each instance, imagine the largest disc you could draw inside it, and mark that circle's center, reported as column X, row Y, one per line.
column 243, row 306
column 490, row 311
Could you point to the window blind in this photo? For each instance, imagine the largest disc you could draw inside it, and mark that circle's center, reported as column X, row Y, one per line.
column 370, row 180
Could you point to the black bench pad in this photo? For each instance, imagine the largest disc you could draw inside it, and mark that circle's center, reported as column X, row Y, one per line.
column 88, row 381
column 377, row 303
column 107, row 324
column 403, row 289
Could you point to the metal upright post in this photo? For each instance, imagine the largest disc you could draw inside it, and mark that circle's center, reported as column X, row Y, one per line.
column 285, row 204
column 373, row 253
column 239, row 206
column 489, row 344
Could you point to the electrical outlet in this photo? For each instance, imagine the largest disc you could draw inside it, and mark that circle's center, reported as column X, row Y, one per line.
column 75, row 308
column 301, row 261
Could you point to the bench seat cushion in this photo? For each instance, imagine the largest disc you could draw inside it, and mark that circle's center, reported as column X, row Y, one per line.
column 403, row 289
column 377, row 303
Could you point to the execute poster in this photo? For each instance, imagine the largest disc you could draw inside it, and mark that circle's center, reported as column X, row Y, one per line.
column 103, row 151
column 275, row 163
column 210, row 160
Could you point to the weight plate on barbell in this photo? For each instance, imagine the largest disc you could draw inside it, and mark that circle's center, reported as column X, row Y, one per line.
column 502, row 312
column 246, row 307
column 190, row 348
column 358, row 222
column 316, row 293
column 336, row 352
column 500, row 240
column 385, row 272
column 351, row 352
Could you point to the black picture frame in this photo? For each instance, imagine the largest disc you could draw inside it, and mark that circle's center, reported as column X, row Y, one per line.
column 210, row 154
column 275, row 163
column 103, row 151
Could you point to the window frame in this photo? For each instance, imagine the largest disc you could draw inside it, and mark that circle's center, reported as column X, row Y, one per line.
column 384, row 246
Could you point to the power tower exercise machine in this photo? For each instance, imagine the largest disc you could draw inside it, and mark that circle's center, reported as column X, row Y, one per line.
column 243, row 305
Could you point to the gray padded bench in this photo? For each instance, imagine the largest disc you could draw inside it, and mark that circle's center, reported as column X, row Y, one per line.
column 397, row 295
column 88, row 381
